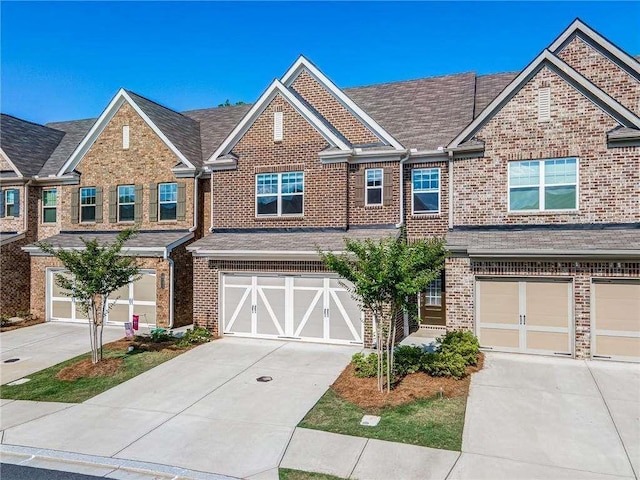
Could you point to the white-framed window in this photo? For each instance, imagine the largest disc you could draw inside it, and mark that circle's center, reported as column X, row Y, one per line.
column 88, row 204
column 49, row 205
column 425, row 190
column 167, row 201
column 433, row 293
column 10, row 201
column 279, row 194
column 543, row 185
column 373, row 186
column 126, row 203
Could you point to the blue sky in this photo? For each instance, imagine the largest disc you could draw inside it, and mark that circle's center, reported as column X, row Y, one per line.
column 63, row 61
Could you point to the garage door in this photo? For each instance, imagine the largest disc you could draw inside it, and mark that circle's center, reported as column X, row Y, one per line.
column 136, row 298
column 615, row 307
column 525, row 315
column 308, row 308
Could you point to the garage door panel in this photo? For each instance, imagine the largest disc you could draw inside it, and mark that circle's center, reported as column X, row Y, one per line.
column 120, row 294
column 61, row 309
column 271, row 310
column 119, row 312
column 56, row 290
column 144, row 289
column 308, row 311
column 548, row 341
column 344, row 317
column 147, row 313
column 237, row 309
column 499, row 302
column 547, row 304
column 618, row 346
column 617, row 306
column 498, row 337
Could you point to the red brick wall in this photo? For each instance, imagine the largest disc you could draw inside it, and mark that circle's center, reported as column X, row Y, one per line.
column 460, row 282
column 609, row 179
column 603, row 73
column 15, row 275
column 374, row 215
column 337, row 115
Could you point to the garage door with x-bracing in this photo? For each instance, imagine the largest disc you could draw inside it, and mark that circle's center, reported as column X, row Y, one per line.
column 615, row 317
column 305, row 307
column 135, row 298
column 525, row 315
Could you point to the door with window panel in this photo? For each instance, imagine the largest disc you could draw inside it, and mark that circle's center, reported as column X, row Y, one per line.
column 431, row 304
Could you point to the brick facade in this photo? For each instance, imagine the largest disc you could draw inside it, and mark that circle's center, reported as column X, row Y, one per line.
column 422, row 225
column 15, row 275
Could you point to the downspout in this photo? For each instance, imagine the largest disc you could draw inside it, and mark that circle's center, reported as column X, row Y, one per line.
column 171, row 269
column 403, row 160
column 211, row 202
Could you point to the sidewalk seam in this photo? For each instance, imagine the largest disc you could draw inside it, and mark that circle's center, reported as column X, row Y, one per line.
column 355, row 465
column 453, row 466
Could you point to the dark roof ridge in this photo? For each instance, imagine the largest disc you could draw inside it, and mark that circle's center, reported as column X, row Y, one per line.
column 69, row 121
column 160, row 105
column 242, row 105
column 29, row 121
column 459, row 74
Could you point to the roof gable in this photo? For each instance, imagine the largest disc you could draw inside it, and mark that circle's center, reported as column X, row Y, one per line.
column 299, row 104
column 174, row 123
column 304, row 65
column 547, row 59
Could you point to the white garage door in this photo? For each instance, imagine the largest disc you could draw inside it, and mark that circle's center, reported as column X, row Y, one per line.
column 136, row 298
column 525, row 315
column 308, row 308
column 615, row 314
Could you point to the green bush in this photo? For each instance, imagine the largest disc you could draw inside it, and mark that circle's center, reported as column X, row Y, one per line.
column 444, row 364
column 407, row 359
column 160, row 335
column 195, row 336
column 463, row 343
column 365, row 365
column 4, row 321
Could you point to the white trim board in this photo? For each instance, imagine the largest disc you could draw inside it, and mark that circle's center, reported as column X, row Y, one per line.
column 116, row 102
column 303, row 63
column 5, row 157
column 601, row 99
column 260, row 106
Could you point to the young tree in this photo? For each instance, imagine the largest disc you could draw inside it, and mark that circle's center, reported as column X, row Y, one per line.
column 385, row 277
column 95, row 272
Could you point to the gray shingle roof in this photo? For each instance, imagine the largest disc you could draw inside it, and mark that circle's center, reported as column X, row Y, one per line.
column 546, row 241
column 426, row 113
column 28, row 145
column 488, row 87
column 294, row 241
column 74, row 132
column 159, row 239
column 181, row 130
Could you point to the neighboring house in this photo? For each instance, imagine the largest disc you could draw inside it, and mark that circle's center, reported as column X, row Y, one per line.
column 532, row 177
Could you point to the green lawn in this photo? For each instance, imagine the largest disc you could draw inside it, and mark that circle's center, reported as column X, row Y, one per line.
column 433, row 422
column 46, row 388
column 288, row 474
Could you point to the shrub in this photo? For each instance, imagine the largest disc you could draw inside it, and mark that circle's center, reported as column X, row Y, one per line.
column 444, row 364
column 407, row 359
column 159, row 335
column 25, row 315
column 4, row 321
column 365, row 365
column 194, row 336
column 463, row 343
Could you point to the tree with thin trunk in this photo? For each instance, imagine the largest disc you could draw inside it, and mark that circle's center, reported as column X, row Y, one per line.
column 385, row 277
column 95, row 272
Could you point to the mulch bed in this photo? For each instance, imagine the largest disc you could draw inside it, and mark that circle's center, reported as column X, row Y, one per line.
column 86, row 369
column 364, row 393
column 142, row 345
column 22, row 324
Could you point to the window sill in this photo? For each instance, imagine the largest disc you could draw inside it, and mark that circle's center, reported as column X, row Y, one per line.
column 534, row 213
column 87, row 223
column 374, row 206
column 168, row 222
column 426, row 215
column 276, row 218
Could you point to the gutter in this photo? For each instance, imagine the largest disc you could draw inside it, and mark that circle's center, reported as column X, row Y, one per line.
column 403, row 160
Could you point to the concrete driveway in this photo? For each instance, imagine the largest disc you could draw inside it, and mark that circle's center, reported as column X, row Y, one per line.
column 41, row 346
column 203, row 410
column 540, row 417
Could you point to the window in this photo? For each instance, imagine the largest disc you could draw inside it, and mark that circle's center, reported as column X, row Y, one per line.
column 168, row 200
column 373, row 186
column 126, row 203
column 433, row 293
column 279, row 194
column 10, row 200
column 425, row 185
column 49, row 205
column 88, row 204
column 541, row 185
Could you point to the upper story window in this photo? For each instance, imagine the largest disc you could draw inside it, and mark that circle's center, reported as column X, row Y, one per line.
column 279, row 194
column 542, row 185
column 12, row 202
column 373, row 186
column 88, row 204
column 425, row 187
column 168, row 201
column 126, row 203
column 49, row 205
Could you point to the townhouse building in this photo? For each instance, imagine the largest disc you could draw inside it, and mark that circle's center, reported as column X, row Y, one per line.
column 533, row 178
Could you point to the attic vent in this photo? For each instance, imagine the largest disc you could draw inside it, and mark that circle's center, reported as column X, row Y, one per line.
column 277, row 126
column 544, row 104
column 125, row 137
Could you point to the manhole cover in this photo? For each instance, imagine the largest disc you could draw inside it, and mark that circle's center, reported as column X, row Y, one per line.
column 11, row 360
column 264, row 379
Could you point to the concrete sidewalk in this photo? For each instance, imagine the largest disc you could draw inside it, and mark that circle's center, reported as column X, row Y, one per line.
column 44, row 345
